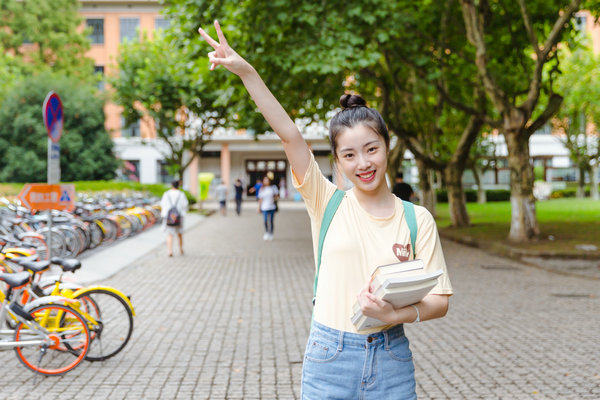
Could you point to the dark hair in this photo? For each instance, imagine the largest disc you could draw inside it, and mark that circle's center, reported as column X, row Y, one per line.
column 356, row 112
column 175, row 184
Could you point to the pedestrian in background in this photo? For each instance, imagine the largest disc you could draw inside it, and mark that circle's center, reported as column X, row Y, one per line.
column 402, row 189
column 222, row 197
column 173, row 202
column 369, row 225
column 239, row 190
column 283, row 193
column 267, row 198
column 255, row 190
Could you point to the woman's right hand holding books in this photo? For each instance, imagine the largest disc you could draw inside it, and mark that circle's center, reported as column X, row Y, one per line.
column 374, row 307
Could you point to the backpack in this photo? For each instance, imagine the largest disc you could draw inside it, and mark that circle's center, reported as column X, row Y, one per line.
column 173, row 215
column 331, row 208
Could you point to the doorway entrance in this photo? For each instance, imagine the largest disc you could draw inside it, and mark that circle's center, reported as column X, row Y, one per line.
column 258, row 169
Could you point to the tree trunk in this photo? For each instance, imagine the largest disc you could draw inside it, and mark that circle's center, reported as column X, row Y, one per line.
column 594, row 182
column 481, row 196
column 427, row 194
column 523, row 224
column 395, row 159
column 456, row 196
column 581, row 183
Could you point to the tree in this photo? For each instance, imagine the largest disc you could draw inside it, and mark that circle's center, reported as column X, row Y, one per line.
column 483, row 158
column 391, row 52
column 86, row 147
column 579, row 116
column 159, row 84
column 45, row 34
column 259, row 30
column 515, row 43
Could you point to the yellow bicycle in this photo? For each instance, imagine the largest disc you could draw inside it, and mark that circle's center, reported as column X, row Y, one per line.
column 49, row 336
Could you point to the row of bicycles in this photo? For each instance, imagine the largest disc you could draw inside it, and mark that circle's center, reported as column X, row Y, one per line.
column 53, row 323
column 95, row 221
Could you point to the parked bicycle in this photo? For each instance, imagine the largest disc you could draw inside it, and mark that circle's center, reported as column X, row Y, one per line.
column 49, row 336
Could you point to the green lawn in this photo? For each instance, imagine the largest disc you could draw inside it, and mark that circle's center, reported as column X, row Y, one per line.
column 564, row 224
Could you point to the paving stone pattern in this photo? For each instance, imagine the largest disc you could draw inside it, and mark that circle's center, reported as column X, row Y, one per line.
column 229, row 320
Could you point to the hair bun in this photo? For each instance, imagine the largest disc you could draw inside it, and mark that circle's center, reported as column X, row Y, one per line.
column 352, row 100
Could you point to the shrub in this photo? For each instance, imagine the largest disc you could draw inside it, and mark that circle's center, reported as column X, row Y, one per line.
column 568, row 192
column 471, row 195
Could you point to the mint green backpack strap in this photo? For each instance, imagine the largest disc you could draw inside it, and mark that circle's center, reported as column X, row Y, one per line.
column 330, row 210
column 411, row 220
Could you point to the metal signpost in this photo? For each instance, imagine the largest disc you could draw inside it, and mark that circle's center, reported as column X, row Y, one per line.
column 53, row 119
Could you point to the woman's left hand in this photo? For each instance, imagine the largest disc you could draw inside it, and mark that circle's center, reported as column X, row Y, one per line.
column 374, row 307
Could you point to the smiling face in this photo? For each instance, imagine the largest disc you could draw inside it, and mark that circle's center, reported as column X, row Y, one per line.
column 362, row 155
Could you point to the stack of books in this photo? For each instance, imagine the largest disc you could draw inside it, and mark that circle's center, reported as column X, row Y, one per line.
column 401, row 284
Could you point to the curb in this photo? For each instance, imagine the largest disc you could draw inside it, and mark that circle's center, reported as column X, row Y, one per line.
column 503, row 250
column 105, row 262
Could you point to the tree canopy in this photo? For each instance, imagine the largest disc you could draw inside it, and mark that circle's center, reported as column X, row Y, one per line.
column 86, row 147
column 159, row 83
column 44, row 34
column 579, row 117
column 439, row 72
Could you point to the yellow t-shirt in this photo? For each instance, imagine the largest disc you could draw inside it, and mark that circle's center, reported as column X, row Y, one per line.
column 356, row 243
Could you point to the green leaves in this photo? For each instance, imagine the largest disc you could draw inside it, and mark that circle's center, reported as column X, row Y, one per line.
column 165, row 82
column 45, row 33
column 86, row 147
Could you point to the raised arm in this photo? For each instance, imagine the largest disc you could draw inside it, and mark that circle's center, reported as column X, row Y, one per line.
column 294, row 145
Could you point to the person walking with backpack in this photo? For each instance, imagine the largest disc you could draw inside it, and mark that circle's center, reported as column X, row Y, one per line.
column 368, row 229
column 174, row 207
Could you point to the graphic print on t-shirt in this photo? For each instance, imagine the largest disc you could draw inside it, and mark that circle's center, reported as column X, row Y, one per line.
column 401, row 251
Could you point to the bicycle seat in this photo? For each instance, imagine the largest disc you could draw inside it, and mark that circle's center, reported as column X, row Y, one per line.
column 16, row 279
column 19, row 259
column 35, row 266
column 67, row 264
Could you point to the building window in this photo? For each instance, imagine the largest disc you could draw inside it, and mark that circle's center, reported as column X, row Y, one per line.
column 581, row 22
column 161, row 23
column 130, row 171
column 128, row 28
column 544, row 130
column 97, row 34
column 131, row 130
column 99, row 71
column 163, row 173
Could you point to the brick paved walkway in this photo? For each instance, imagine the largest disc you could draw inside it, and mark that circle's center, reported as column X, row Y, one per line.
column 229, row 320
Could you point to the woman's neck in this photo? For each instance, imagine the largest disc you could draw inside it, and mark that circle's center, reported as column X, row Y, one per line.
column 379, row 203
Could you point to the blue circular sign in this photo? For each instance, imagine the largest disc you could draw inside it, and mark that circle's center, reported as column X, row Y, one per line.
column 53, row 116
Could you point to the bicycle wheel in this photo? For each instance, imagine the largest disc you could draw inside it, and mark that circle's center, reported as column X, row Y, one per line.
column 65, row 340
column 115, row 323
column 41, row 248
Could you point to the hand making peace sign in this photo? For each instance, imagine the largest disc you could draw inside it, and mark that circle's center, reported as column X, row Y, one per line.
column 224, row 55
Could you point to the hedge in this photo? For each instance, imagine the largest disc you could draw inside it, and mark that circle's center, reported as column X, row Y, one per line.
column 471, row 195
column 568, row 192
column 13, row 189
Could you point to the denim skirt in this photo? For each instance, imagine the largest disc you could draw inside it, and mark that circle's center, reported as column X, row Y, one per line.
column 344, row 365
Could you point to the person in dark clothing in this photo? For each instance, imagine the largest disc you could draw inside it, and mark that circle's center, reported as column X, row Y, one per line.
column 402, row 189
column 239, row 189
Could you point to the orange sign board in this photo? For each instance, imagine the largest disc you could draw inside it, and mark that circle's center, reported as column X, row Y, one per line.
column 42, row 196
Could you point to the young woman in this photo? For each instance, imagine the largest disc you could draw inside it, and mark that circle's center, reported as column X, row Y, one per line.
column 266, row 203
column 367, row 230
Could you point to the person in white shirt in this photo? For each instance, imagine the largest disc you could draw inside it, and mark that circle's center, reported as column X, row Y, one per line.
column 266, row 202
column 222, row 197
column 174, row 198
